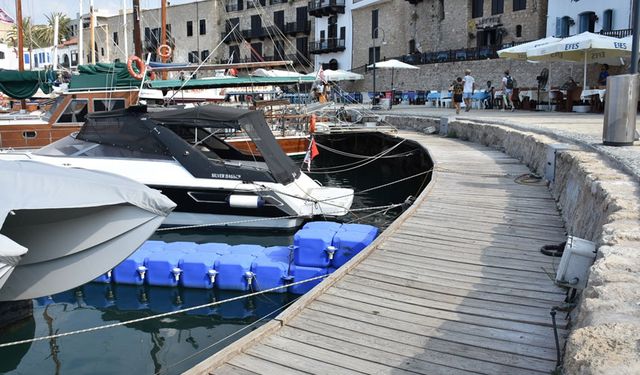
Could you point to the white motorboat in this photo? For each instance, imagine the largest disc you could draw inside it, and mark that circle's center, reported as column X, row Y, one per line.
column 63, row 227
column 178, row 152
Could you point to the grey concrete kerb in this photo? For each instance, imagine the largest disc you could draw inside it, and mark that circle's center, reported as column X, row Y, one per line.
column 600, row 201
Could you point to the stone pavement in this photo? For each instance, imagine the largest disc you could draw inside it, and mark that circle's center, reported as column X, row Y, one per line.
column 583, row 129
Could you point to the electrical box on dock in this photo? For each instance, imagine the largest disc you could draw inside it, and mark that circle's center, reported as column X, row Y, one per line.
column 577, row 258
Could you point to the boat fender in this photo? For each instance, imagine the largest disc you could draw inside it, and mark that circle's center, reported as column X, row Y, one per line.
column 133, row 59
column 246, row 201
column 164, row 51
column 312, row 124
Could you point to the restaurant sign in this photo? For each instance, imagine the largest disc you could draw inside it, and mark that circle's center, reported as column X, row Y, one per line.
column 488, row 22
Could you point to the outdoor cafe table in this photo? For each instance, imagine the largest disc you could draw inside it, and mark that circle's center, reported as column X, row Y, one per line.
column 587, row 94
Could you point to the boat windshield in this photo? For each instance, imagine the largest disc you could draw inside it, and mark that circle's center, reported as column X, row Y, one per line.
column 58, row 101
column 71, row 146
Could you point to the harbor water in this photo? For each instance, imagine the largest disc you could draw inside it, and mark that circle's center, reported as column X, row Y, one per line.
column 175, row 343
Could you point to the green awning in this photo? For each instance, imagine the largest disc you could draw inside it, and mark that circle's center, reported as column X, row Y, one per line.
column 221, row 82
column 102, row 76
column 23, row 85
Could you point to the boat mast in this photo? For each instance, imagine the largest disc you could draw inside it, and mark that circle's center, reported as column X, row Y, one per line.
column 81, row 36
column 125, row 35
column 23, row 103
column 92, row 36
column 56, row 24
column 163, row 38
column 137, row 41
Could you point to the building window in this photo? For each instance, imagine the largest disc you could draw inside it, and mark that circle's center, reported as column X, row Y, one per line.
column 441, row 15
column 189, row 28
column 374, row 54
column 203, row 27
column 193, row 57
column 115, row 38
column 412, row 46
column 1, row 55
column 204, row 54
column 563, row 26
column 374, row 24
column 518, row 31
column 497, row 7
column 477, row 8
column 101, row 51
column 519, row 5
column 587, row 22
column 607, row 20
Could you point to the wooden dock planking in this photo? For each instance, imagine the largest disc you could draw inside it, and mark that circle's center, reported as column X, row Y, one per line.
column 456, row 285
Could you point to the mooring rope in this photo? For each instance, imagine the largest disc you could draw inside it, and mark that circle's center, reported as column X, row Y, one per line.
column 196, row 226
column 158, row 316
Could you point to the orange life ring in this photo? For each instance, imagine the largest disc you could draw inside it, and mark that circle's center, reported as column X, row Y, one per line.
column 139, row 64
column 312, row 124
column 164, row 51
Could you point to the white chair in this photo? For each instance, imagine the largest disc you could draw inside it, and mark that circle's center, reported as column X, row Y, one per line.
column 445, row 99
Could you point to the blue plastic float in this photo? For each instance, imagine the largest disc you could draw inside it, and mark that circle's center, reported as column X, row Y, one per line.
column 319, row 248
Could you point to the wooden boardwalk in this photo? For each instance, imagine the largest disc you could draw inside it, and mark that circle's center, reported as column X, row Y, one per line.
column 456, row 286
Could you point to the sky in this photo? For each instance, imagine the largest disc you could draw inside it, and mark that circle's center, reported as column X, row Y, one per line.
column 36, row 9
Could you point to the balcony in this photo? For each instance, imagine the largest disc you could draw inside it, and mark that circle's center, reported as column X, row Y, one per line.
column 621, row 33
column 274, row 2
column 321, row 8
column 293, row 28
column 327, row 46
column 232, row 7
column 254, row 33
column 233, row 38
column 255, row 3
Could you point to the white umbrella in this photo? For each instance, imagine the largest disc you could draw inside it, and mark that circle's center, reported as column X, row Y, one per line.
column 392, row 64
column 586, row 47
column 261, row 72
column 519, row 52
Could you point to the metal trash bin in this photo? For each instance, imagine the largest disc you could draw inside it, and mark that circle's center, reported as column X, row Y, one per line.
column 620, row 110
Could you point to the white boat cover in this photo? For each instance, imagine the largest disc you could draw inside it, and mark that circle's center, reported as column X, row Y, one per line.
column 52, row 205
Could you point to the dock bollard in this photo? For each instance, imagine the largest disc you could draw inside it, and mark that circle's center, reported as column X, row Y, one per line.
column 620, row 110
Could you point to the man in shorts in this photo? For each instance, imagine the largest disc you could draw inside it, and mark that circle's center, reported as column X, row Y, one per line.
column 469, row 86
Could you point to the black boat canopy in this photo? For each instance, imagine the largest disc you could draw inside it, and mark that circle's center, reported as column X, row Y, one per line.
column 132, row 128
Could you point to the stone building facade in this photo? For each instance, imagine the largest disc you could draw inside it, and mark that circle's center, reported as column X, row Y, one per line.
column 267, row 30
column 421, row 26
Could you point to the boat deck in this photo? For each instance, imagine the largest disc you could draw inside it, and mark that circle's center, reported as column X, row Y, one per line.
column 456, row 285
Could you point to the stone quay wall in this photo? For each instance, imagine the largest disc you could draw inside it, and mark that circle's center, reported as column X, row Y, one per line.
column 599, row 203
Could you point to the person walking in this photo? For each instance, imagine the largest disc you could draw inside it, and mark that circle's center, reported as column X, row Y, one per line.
column 507, row 91
column 469, row 86
column 457, row 87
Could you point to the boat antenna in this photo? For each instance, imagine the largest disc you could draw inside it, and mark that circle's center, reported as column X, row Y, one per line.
column 201, row 63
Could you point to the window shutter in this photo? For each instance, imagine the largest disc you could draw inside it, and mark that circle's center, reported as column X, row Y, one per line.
column 558, row 27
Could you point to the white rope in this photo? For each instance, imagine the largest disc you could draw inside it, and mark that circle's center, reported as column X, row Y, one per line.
column 158, row 316
column 195, row 226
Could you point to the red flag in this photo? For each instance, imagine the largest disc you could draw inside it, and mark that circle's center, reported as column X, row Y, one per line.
column 312, row 152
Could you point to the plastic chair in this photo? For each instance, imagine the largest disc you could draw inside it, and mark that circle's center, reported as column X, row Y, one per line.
column 478, row 99
column 433, row 99
column 445, row 99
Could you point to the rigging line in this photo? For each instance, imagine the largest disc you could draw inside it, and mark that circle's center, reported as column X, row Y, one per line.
column 264, row 15
column 357, row 156
column 201, row 63
column 357, row 219
column 248, row 326
column 368, row 161
column 162, row 315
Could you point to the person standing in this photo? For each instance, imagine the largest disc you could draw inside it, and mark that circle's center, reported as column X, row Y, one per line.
column 604, row 74
column 507, row 91
column 457, row 87
column 469, row 87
